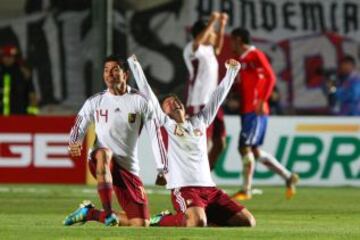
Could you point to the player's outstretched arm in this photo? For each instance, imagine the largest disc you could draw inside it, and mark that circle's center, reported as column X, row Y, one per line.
column 268, row 85
column 204, row 35
column 208, row 113
column 220, row 34
column 158, row 147
column 153, row 126
column 145, row 88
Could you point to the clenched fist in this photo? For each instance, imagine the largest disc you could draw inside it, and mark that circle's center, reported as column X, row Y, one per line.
column 232, row 63
column 224, row 18
column 75, row 149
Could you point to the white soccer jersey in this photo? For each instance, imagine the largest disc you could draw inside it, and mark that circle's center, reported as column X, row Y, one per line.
column 187, row 148
column 118, row 123
column 203, row 73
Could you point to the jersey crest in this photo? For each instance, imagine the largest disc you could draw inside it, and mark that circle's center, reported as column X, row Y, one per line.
column 179, row 131
column 198, row 132
column 132, row 117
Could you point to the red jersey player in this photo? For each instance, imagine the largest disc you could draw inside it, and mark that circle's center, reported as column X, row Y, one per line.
column 257, row 80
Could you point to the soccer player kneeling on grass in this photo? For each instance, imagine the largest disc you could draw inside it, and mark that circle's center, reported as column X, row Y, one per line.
column 195, row 197
column 118, row 114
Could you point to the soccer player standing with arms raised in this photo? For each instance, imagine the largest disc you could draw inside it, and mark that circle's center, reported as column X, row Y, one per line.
column 200, row 59
column 257, row 80
column 118, row 114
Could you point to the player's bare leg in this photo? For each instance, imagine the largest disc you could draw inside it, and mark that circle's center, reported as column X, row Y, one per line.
column 123, row 220
column 196, row 217
column 291, row 179
column 218, row 145
column 138, row 222
column 242, row 219
column 248, row 161
column 134, row 222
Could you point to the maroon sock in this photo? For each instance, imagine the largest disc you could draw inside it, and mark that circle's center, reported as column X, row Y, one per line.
column 177, row 220
column 96, row 215
column 105, row 194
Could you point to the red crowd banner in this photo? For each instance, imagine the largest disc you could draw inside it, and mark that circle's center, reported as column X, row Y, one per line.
column 34, row 150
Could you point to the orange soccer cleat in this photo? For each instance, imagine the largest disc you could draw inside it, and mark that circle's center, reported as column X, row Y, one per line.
column 291, row 185
column 242, row 195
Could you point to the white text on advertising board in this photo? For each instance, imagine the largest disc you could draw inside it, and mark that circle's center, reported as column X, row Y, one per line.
column 41, row 150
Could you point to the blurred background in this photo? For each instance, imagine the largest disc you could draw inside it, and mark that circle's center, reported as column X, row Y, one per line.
column 56, row 50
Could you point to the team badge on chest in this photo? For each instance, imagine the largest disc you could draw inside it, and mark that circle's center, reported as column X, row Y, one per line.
column 132, row 117
column 179, row 131
column 198, row 132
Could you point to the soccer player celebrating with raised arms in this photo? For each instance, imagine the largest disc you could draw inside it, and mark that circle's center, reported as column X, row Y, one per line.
column 118, row 114
column 200, row 59
column 257, row 80
column 194, row 195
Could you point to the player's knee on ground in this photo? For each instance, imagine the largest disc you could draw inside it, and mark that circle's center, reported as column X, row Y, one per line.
column 196, row 217
column 242, row 219
column 138, row 222
column 196, row 222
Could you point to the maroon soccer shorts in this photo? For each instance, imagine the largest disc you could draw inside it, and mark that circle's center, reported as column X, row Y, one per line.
column 219, row 207
column 128, row 188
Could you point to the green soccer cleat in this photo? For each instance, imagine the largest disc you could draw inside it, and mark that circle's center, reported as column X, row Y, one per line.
column 111, row 220
column 155, row 220
column 79, row 215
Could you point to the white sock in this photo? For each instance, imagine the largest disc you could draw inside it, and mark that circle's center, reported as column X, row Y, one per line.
column 248, row 170
column 273, row 164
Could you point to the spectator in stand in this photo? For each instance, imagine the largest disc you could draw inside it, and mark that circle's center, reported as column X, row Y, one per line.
column 17, row 94
column 347, row 88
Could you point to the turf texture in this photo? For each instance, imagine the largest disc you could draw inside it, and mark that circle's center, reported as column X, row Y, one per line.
column 37, row 211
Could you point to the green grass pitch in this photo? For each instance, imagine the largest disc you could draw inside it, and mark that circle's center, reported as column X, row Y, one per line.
column 37, row 211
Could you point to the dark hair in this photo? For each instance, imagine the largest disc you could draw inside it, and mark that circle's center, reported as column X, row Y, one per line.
column 242, row 33
column 198, row 27
column 116, row 58
column 348, row 59
column 169, row 95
